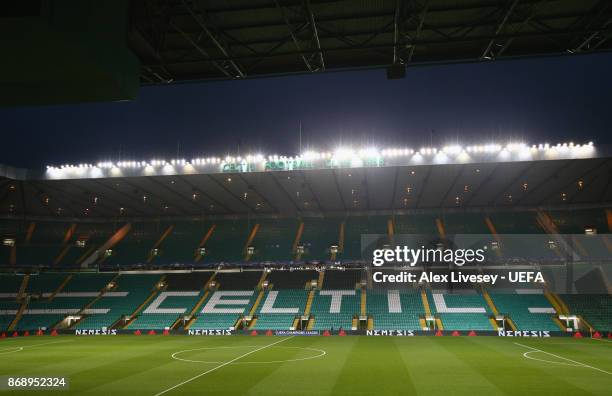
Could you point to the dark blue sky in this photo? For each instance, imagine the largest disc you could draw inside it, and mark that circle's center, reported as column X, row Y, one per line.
column 537, row 100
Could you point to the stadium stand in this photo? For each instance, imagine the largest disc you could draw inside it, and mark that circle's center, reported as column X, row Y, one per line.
column 224, row 308
column 461, row 311
column 9, row 285
column 291, row 279
column 354, row 228
column 596, row 309
column 341, row 279
column 45, row 282
column 246, row 280
column 104, row 300
column 227, row 242
column 88, row 282
column 528, row 311
column 318, row 236
column 166, row 309
column 274, row 239
column 280, row 308
column 335, row 309
column 137, row 287
column 187, row 281
column 395, row 309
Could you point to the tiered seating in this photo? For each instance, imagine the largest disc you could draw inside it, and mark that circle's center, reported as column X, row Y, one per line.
column 45, row 283
column 9, row 229
column 291, row 279
column 355, row 227
column 286, row 300
column 274, row 322
column 465, row 223
column 138, row 288
column 88, row 283
column 9, row 285
column 35, row 322
column 214, row 322
column 175, row 305
column 7, row 313
column 136, row 246
column 94, row 234
column 153, row 321
column 568, row 223
column 44, row 313
column 516, row 222
column 318, row 235
column 44, row 245
column 337, row 315
column 415, row 224
column 183, row 292
column 226, row 243
column 338, row 279
column 595, row 308
column 274, row 240
column 246, row 280
column 517, row 306
column 460, row 311
column 395, row 309
column 59, row 303
column 187, row 281
column 180, row 246
column 226, row 314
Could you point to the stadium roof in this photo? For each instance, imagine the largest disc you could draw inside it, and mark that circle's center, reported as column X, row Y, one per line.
column 452, row 178
column 194, row 40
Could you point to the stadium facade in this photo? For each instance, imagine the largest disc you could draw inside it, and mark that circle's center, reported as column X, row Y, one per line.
column 271, row 243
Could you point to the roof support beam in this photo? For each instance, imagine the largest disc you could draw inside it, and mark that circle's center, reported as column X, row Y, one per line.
column 487, row 54
column 515, row 180
column 248, row 207
column 389, row 45
column 293, row 36
column 281, row 188
column 452, row 185
column 134, row 202
column 315, row 33
column 164, row 201
column 419, row 29
column 592, row 170
column 398, row 6
column 395, row 178
column 201, row 50
column 585, row 45
column 210, row 198
column 549, row 177
column 424, row 186
column 252, row 188
column 338, row 190
column 214, row 40
column 312, row 193
column 176, row 194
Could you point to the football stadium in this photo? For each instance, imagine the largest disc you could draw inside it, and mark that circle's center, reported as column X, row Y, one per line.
column 467, row 267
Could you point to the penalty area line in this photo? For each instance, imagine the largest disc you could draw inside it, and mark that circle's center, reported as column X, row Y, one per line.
column 564, row 358
column 221, row 365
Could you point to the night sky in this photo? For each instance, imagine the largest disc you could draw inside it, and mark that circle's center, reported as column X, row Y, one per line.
column 537, row 101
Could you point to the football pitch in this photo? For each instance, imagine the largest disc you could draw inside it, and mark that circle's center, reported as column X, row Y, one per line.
column 352, row 365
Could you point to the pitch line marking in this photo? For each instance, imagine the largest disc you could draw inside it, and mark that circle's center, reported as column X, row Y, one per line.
column 14, row 349
column 221, row 365
column 320, row 351
column 560, row 357
column 600, row 339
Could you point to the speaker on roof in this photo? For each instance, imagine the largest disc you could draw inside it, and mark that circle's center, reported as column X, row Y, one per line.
column 396, row 71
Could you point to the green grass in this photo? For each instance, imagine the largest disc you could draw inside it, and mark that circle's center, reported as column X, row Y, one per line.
column 352, row 365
